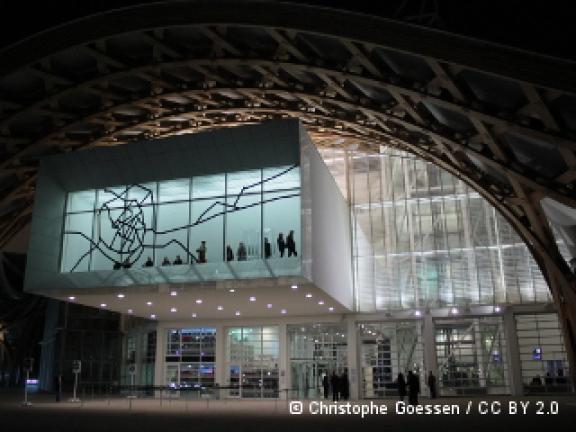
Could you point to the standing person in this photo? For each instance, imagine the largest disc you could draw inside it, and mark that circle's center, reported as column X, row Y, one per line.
column 202, row 251
column 281, row 244
column 413, row 388
column 267, row 248
column 335, row 384
column 344, row 386
column 291, row 244
column 229, row 253
column 325, row 385
column 432, row 385
column 401, row 386
column 241, row 253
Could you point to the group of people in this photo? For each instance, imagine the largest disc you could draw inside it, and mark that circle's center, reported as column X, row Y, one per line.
column 338, row 384
column 411, row 386
column 284, row 244
column 288, row 244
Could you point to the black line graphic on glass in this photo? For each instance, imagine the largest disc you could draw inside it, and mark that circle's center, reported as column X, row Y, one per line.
column 130, row 226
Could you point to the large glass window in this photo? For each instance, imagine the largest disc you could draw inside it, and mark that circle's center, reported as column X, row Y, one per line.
column 221, row 221
column 543, row 355
column 316, row 351
column 471, row 356
column 423, row 238
column 252, row 361
column 388, row 349
column 190, row 356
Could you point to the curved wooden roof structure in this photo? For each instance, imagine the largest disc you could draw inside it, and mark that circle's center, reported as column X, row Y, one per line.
column 502, row 120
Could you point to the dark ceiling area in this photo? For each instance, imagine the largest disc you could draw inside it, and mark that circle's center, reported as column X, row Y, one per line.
column 544, row 27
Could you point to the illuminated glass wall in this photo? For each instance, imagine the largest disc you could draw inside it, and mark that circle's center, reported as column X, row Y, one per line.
column 220, row 218
column 424, row 238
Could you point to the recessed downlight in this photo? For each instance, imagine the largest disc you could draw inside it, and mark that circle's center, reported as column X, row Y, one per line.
column 173, row 293
column 269, row 306
column 321, row 302
column 103, row 305
column 194, row 314
column 252, row 298
column 331, row 309
column 71, row 298
column 149, row 303
column 130, row 311
column 283, row 311
column 232, row 290
column 417, row 313
column 220, row 308
column 237, row 313
column 454, row 311
column 120, row 295
column 173, row 310
column 153, row 316
column 294, row 287
column 198, row 301
column 308, row 295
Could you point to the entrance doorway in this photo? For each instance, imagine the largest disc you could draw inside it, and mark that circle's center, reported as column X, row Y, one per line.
column 316, row 351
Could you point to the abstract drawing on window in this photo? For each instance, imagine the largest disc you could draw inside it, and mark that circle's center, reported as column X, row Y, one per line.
column 125, row 217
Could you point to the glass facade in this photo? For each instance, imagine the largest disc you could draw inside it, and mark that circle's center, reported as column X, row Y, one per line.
column 252, row 361
column 472, row 356
column 316, row 350
column 543, row 358
column 423, row 238
column 387, row 349
column 220, row 221
column 190, row 356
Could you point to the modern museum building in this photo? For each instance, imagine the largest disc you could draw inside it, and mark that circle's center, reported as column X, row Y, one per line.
column 250, row 260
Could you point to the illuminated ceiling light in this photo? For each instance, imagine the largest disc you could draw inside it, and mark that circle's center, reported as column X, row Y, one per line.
column 149, row 303
column 284, row 311
column 103, row 305
column 294, row 287
column 198, row 301
column 232, row 290
column 417, row 313
column 454, row 311
column 237, row 313
column 194, row 314
column 321, row 302
column 71, row 298
column 220, row 308
column 173, row 309
column 269, row 305
column 173, row 293
column 308, row 295
column 120, row 295
column 153, row 316
column 252, row 298
column 331, row 309
column 130, row 311
column 497, row 308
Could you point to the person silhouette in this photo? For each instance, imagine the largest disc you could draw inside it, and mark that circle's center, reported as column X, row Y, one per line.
column 149, row 262
column 432, row 384
column 267, row 248
column 326, row 385
column 241, row 253
column 335, row 384
column 178, row 260
column 202, row 250
column 291, row 244
column 413, row 388
column 401, row 381
column 281, row 244
column 229, row 253
column 166, row 261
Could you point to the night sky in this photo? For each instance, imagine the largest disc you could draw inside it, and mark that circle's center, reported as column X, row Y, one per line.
column 545, row 26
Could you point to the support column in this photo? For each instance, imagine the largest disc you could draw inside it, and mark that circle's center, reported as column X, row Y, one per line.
column 429, row 342
column 220, row 358
column 159, row 378
column 353, row 358
column 514, row 364
column 284, row 378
